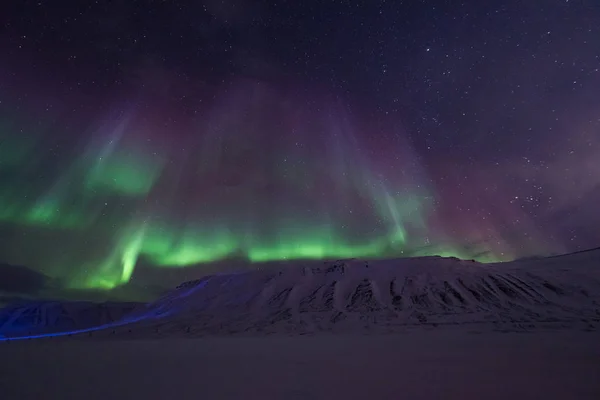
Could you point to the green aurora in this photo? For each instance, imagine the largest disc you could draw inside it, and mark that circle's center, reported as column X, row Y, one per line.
column 90, row 216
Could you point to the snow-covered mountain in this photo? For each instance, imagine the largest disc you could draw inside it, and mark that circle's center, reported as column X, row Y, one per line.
column 44, row 317
column 381, row 296
column 349, row 296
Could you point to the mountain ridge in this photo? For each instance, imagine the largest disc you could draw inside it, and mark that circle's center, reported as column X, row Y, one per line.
column 365, row 296
column 380, row 295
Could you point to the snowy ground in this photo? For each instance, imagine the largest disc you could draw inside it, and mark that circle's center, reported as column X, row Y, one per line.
column 422, row 364
column 426, row 328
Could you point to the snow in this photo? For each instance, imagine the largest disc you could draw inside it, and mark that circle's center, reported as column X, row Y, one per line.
column 427, row 364
column 380, row 297
column 49, row 317
column 419, row 328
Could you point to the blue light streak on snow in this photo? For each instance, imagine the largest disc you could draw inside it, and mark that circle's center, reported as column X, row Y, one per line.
column 157, row 313
column 76, row 331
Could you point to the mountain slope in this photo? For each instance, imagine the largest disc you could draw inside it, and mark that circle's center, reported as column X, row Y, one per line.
column 44, row 317
column 350, row 296
column 344, row 296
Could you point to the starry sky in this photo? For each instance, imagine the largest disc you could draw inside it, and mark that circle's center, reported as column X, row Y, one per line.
column 142, row 141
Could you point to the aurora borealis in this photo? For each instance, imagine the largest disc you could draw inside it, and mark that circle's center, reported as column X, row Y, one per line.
column 174, row 143
column 310, row 193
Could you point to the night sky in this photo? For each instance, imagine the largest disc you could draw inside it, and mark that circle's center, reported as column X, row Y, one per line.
column 142, row 137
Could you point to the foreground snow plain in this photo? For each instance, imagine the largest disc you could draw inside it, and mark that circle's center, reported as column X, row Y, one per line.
column 426, row 328
column 418, row 364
